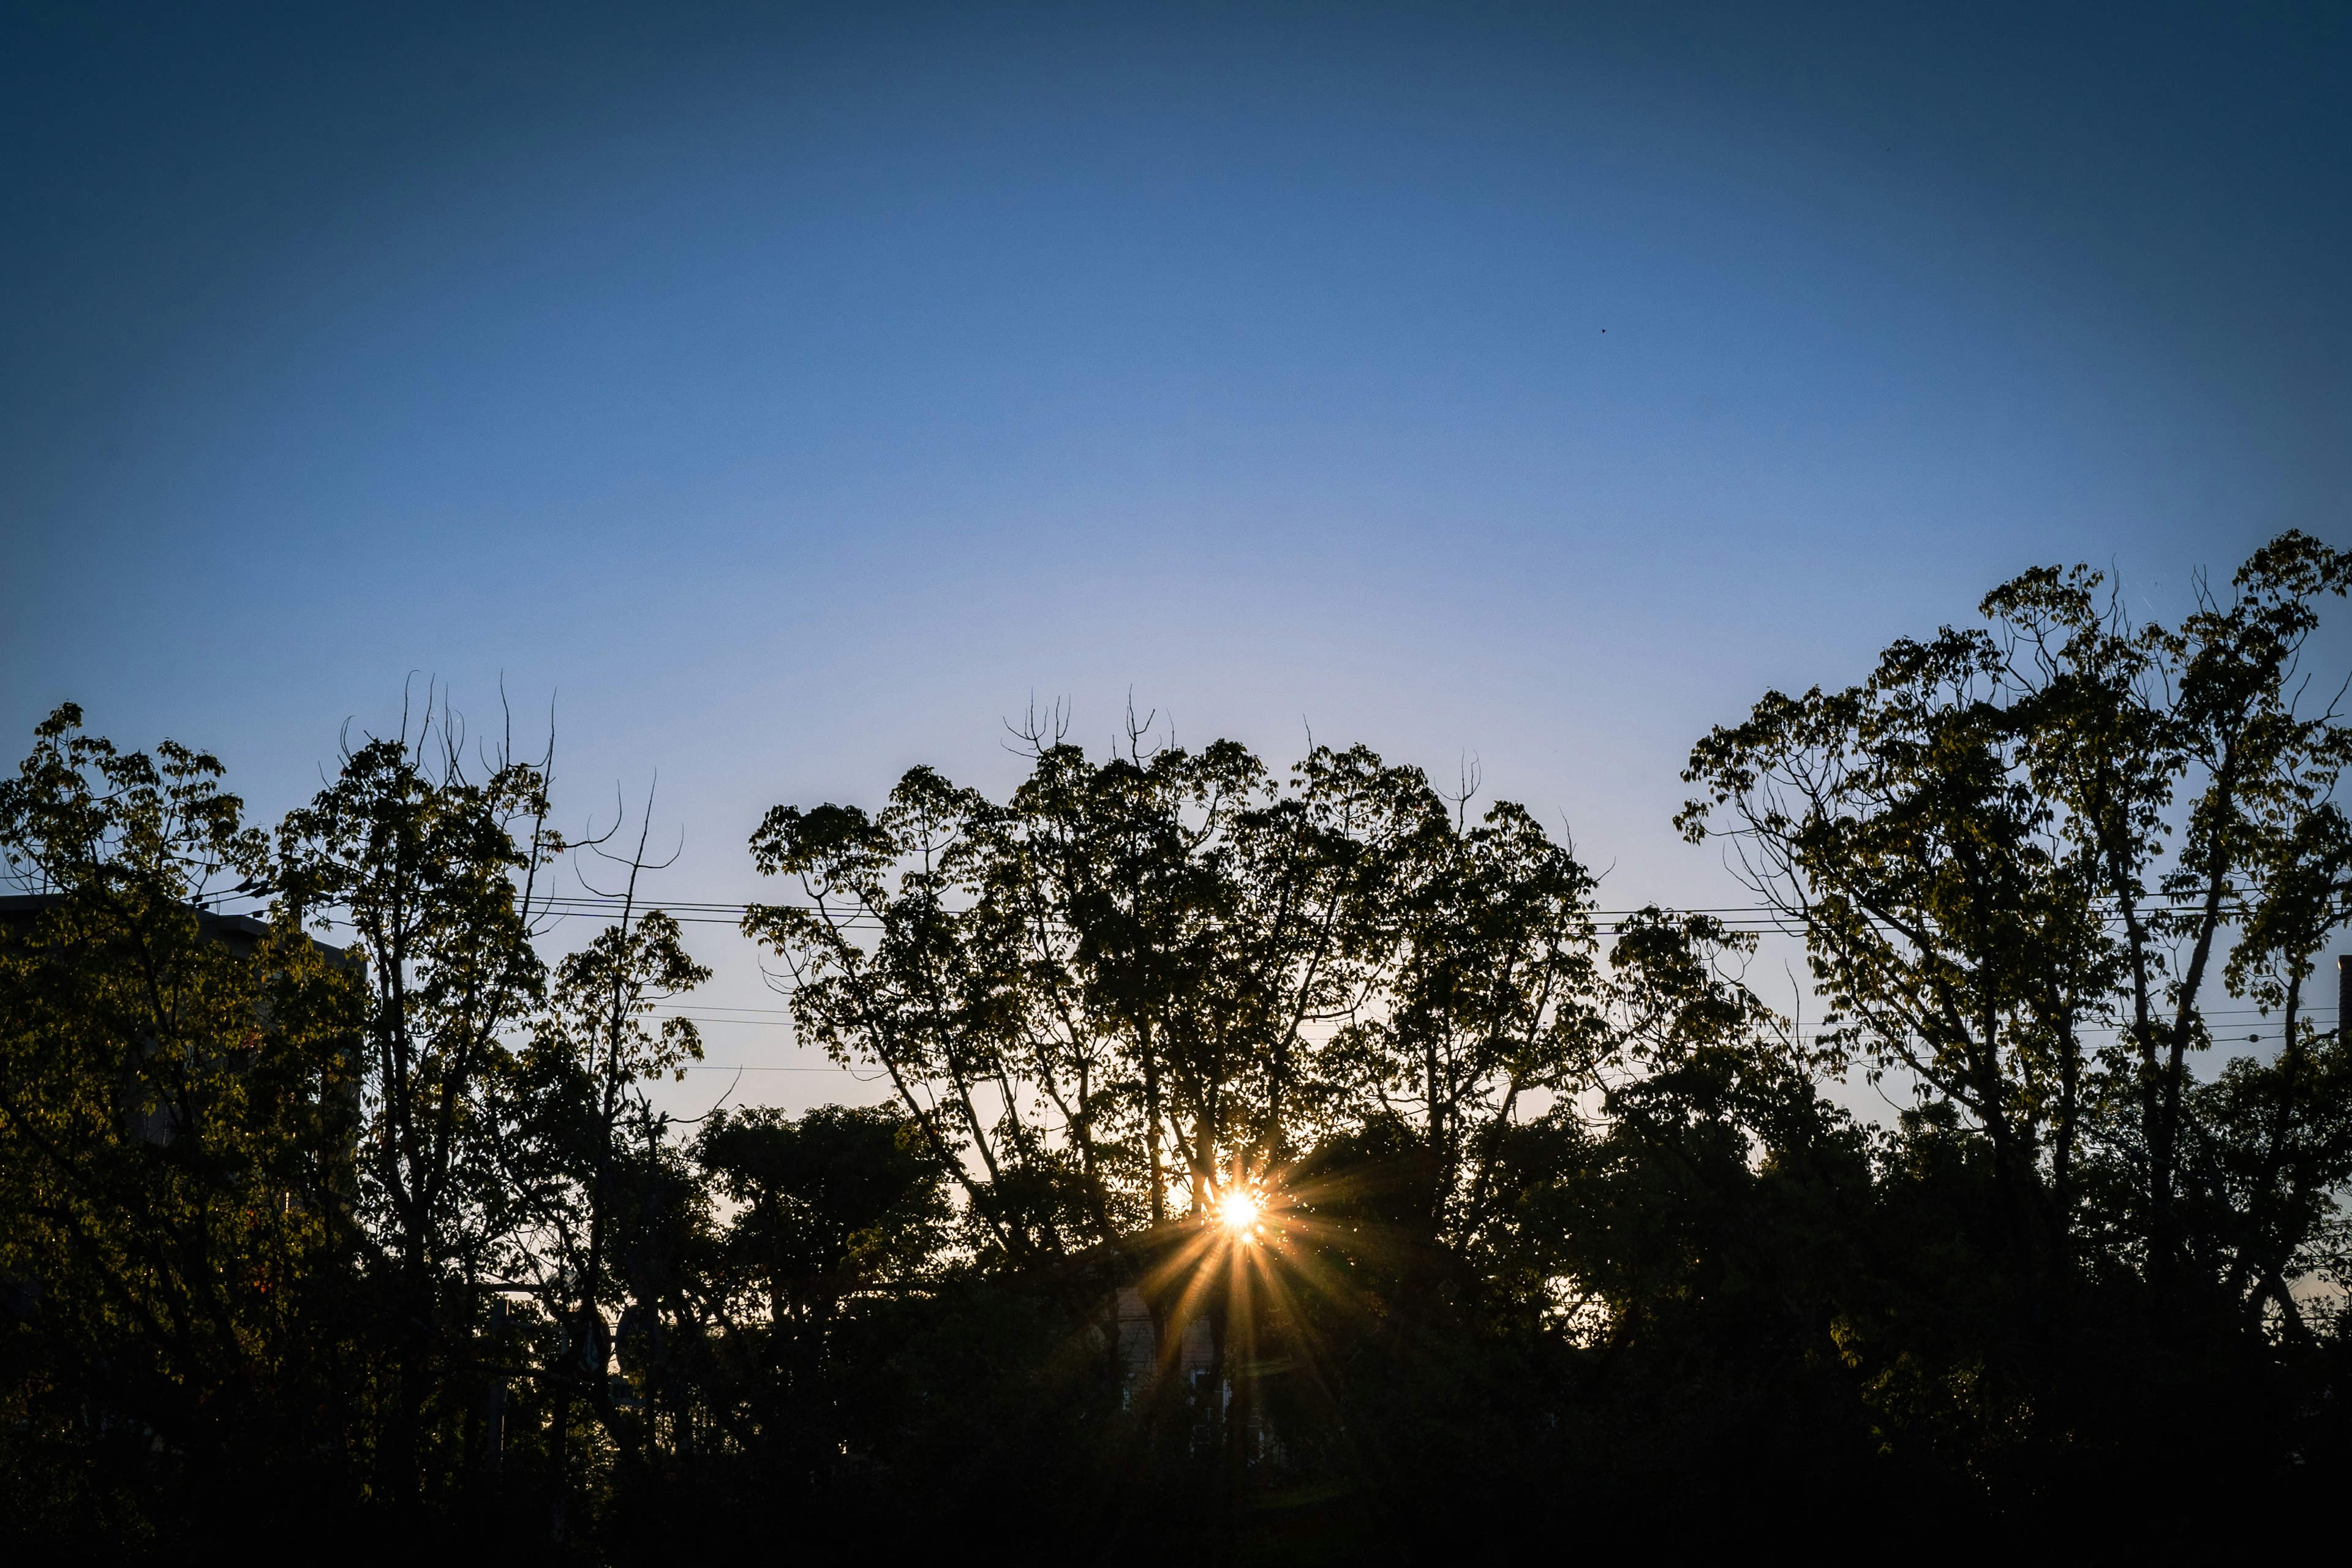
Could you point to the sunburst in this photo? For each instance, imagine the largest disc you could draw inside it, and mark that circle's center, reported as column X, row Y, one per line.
column 1255, row 1253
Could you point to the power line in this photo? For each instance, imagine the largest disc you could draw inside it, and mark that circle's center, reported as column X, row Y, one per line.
column 722, row 1066
column 1746, row 918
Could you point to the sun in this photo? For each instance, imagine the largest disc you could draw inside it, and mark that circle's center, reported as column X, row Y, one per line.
column 1238, row 1212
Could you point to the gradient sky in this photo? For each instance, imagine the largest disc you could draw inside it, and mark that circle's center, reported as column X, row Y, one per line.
column 789, row 394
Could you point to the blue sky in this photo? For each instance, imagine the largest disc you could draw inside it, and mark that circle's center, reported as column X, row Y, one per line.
column 788, row 394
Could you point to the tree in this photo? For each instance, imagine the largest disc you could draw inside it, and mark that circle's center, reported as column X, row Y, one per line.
column 1490, row 995
column 173, row 1143
column 435, row 873
column 2009, row 842
column 1951, row 934
column 581, row 1151
column 830, row 1208
column 1123, row 959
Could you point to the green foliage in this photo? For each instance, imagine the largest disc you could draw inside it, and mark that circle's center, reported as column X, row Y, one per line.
column 175, row 1125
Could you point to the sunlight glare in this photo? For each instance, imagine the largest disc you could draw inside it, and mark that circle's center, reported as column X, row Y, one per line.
column 1238, row 1212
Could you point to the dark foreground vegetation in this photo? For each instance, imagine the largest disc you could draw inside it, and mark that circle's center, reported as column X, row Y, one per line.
column 1278, row 1168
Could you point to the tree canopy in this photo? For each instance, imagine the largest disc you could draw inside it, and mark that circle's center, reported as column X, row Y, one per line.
column 1274, row 1162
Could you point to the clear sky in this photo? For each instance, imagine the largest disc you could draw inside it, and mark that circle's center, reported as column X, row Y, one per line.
column 789, row 394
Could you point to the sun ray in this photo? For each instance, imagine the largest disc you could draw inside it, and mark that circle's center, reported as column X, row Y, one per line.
column 1256, row 1263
